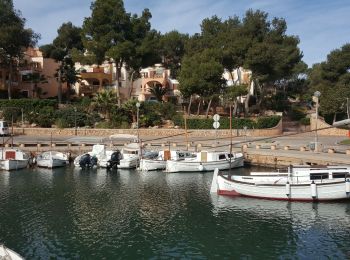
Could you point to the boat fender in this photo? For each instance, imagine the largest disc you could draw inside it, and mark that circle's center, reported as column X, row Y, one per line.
column 313, row 190
column 200, row 167
column 288, row 189
column 347, row 186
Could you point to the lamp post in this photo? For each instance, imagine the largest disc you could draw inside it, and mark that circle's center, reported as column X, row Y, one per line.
column 75, row 121
column 317, row 95
column 137, row 120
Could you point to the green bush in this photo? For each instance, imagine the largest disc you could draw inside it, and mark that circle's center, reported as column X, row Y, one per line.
column 267, row 122
column 104, row 125
column 297, row 112
column 45, row 117
column 305, row 121
column 61, row 123
column 237, row 123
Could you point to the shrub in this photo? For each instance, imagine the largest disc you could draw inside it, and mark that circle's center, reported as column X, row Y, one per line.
column 237, row 123
column 61, row 123
column 267, row 122
column 305, row 121
column 297, row 112
column 104, row 125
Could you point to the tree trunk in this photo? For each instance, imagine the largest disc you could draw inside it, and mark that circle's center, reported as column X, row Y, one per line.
column 132, row 84
column 246, row 105
column 209, row 105
column 189, row 106
column 199, row 106
column 59, row 91
column 9, row 85
column 68, row 92
column 235, row 107
column 118, row 72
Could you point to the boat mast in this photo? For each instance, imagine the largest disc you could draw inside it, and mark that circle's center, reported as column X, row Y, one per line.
column 230, row 138
column 185, row 119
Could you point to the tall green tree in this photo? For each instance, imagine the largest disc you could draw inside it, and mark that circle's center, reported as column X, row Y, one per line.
column 67, row 41
column 201, row 74
column 172, row 50
column 111, row 32
column 332, row 79
column 272, row 54
column 14, row 37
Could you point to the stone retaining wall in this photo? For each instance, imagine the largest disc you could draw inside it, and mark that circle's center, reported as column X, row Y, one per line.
column 157, row 132
column 329, row 131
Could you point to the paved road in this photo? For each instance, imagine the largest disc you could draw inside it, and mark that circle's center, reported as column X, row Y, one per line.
column 294, row 141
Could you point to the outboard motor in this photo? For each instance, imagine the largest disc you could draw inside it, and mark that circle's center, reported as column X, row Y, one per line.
column 87, row 161
column 114, row 161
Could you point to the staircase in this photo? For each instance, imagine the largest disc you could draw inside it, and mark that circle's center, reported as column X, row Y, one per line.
column 290, row 127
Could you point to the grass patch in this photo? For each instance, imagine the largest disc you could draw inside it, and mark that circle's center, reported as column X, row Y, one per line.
column 345, row 142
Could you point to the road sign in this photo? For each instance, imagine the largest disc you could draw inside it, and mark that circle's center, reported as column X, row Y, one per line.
column 216, row 125
column 216, row 117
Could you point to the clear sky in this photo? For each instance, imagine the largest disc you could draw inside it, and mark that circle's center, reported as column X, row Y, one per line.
column 322, row 25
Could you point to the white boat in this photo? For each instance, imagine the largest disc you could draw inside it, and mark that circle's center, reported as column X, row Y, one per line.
column 131, row 154
column 206, row 161
column 13, row 159
column 159, row 161
column 343, row 124
column 8, row 254
column 301, row 183
column 52, row 159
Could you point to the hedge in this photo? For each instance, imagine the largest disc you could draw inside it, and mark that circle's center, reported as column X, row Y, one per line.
column 28, row 104
column 237, row 123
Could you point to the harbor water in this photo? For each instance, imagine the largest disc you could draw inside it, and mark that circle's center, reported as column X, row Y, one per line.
column 69, row 213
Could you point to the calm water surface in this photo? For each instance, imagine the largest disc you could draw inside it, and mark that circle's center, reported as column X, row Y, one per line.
column 74, row 214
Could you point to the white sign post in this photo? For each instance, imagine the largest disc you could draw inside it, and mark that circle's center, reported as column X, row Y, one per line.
column 216, row 125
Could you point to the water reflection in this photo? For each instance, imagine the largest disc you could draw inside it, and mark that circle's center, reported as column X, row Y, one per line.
column 69, row 213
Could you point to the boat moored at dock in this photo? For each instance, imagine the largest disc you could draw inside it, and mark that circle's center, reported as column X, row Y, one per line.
column 206, row 161
column 52, row 159
column 300, row 183
column 13, row 159
column 160, row 159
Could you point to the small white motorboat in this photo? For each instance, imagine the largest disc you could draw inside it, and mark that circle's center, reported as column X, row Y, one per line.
column 131, row 154
column 8, row 254
column 300, row 183
column 159, row 161
column 206, row 161
column 52, row 159
column 13, row 159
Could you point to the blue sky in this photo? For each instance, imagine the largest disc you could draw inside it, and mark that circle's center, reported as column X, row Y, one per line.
column 322, row 25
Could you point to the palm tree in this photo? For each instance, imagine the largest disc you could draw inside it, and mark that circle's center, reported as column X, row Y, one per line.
column 104, row 101
column 158, row 91
column 130, row 107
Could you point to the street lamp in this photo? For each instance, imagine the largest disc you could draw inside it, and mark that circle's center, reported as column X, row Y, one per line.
column 317, row 95
column 75, row 121
column 137, row 118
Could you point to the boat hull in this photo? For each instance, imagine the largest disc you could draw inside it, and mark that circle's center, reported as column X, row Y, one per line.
column 325, row 191
column 51, row 163
column 9, row 165
column 152, row 165
column 193, row 166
